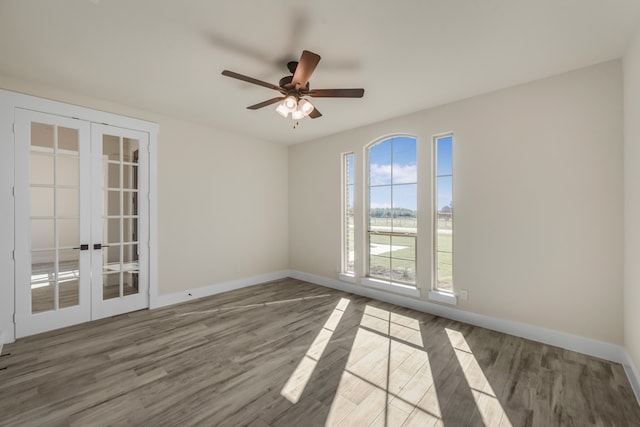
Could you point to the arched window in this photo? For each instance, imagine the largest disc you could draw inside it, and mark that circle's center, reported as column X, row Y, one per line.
column 392, row 210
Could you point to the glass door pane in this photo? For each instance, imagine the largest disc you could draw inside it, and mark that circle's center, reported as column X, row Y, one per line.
column 120, row 266
column 54, row 188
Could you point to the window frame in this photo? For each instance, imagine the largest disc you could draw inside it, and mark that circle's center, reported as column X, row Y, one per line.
column 345, row 272
column 434, row 280
column 408, row 288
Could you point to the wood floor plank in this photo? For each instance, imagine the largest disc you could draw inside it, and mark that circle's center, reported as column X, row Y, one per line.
column 227, row 360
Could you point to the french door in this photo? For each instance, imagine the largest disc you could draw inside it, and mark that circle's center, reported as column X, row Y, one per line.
column 81, row 221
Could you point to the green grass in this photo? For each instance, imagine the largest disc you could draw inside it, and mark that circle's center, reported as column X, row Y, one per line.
column 397, row 265
column 400, row 265
column 444, row 256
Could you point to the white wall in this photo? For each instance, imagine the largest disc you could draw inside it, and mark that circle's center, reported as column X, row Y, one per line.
column 222, row 201
column 223, row 207
column 538, row 195
column 632, row 200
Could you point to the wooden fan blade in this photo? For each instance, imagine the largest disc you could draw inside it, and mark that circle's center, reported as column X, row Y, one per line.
column 265, row 103
column 306, row 66
column 335, row 93
column 315, row 114
column 251, row 80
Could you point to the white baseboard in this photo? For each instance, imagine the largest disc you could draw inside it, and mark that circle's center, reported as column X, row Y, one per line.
column 7, row 329
column 192, row 294
column 591, row 347
column 633, row 373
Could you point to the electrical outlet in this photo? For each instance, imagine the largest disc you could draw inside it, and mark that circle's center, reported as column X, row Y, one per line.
column 463, row 294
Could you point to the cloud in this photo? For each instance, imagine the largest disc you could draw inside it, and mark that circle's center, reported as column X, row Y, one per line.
column 405, row 174
column 379, row 174
column 402, row 174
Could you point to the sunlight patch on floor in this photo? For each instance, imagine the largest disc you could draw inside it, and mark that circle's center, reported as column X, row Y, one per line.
column 395, row 325
column 387, row 380
column 486, row 401
column 298, row 380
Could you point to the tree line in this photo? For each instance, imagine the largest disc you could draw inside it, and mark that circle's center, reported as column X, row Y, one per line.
column 391, row 213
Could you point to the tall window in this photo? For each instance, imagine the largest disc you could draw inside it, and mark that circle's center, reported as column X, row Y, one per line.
column 348, row 249
column 393, row 194
column 443, row 215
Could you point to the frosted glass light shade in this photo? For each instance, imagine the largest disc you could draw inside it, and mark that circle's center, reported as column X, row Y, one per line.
column 282, row 110
column 306, row 107
column 290, row 103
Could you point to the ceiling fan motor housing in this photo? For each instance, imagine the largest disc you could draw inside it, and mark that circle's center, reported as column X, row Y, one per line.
column 286, row 83
column 291, row 66
column 286, row 80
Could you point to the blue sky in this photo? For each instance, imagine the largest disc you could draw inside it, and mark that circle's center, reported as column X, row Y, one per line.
column 393, row 161
column 444, row 166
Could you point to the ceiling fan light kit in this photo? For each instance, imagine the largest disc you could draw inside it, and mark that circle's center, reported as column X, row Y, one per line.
column 293, row 88
column 299, row 109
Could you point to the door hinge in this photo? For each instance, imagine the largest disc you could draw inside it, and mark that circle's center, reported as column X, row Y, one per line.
column 13, row 191
column 14, row 317
column 13, row 128
column 13, row 254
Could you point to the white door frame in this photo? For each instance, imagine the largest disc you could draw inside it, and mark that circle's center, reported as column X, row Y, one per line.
column 9, row 101
column 28, row 323
column 100, row 307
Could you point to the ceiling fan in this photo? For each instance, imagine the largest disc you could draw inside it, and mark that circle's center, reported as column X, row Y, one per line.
column 295, row 88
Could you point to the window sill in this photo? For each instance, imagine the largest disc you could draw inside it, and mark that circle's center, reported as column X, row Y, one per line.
column 443, row 297
column 347, row 277
column 397, row 288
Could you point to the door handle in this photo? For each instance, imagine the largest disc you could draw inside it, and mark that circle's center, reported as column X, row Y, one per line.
column 82, row 247
column 99, row 246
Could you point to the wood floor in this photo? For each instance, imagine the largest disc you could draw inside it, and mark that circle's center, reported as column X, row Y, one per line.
column 289, row 353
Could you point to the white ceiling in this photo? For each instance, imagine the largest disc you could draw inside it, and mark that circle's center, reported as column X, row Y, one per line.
column 166, row 56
